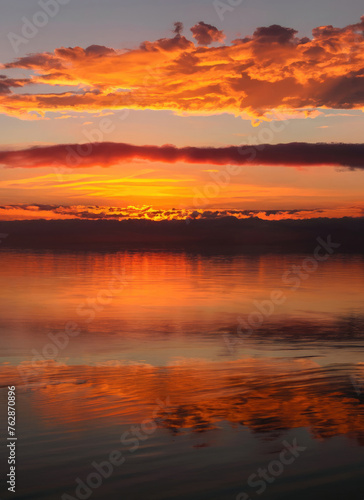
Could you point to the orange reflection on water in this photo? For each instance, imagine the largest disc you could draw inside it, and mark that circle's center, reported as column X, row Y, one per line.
column 264, row 395
column 55, row 284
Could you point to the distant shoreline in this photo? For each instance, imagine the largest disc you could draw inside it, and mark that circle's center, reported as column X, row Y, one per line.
column 221, row 235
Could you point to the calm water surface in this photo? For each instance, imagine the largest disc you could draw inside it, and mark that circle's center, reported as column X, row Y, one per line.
column 144, row 354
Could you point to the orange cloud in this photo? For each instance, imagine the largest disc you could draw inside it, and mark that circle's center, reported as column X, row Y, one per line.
column 272, row 69
column 206, row 34
column 6, row 84
column 61, row 212
column 200, row 394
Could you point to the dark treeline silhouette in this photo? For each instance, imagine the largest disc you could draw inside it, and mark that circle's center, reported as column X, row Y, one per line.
column 244, row 235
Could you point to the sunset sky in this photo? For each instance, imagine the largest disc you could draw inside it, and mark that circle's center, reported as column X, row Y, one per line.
column 99, row 91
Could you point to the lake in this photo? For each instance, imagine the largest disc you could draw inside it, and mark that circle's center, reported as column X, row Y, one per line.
column 168, row 375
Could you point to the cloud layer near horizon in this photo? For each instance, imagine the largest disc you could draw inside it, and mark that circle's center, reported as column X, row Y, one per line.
column 272, row 69
column 106, row 154
column 62, row 212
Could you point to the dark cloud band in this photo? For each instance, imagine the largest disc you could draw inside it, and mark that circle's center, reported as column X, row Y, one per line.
column 106, row 154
